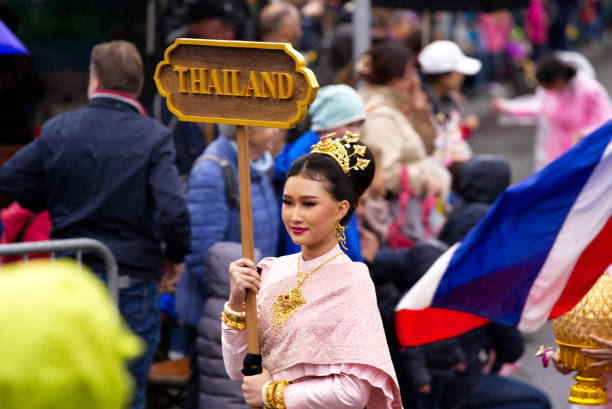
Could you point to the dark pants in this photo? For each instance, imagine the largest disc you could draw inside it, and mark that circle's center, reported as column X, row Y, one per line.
column 139, row 305
column 492, row 392
column 495, row 67
column 500, row 392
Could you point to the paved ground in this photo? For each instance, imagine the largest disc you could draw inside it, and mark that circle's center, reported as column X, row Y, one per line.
column 516, row 144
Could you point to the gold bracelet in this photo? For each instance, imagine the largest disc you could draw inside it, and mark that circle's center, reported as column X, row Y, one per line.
column 233, row 322
column 232, row 319
column 233, row 313
column 230, row 322
column 279, row 394
column 270, row 394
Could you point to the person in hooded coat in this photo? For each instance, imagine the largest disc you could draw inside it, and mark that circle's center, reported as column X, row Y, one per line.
column 215, row 388
column 481, row 180
column 394, row 272
column 459, row 372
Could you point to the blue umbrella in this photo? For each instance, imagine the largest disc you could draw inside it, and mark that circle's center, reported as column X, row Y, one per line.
column 9, row 43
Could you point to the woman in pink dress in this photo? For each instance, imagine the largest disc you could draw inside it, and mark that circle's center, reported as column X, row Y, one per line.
column 569, row 103
column 321, row 335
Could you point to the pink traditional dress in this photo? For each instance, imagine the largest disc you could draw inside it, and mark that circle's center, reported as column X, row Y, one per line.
column 331, row 347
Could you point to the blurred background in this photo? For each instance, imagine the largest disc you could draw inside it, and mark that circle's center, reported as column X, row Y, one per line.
column 51, row 76
column 59, row 35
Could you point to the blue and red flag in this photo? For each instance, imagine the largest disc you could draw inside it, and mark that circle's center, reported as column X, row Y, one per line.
column 536, row 253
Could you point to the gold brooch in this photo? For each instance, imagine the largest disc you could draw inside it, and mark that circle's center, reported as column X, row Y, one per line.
column 286, row 304
column 289, row 302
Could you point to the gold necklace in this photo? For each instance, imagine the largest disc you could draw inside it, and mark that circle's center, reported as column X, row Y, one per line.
column 290, row 301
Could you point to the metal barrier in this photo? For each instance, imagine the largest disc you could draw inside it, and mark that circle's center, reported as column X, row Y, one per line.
column 75, row 245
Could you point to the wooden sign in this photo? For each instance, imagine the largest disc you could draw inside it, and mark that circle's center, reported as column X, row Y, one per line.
column 236, row 82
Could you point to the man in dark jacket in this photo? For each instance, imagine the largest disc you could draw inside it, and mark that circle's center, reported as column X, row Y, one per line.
column 107, row 172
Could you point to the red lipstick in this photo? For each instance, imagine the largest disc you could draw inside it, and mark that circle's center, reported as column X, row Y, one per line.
column 298, row 230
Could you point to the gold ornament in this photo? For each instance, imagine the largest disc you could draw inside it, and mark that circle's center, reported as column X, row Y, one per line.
column 337, row 149
column 275, row 394
column 290, row 301
column 270, row 386
column 286, row 304
column 592, row 315
column 340, row 236
column 279, row 394
column 233, row 319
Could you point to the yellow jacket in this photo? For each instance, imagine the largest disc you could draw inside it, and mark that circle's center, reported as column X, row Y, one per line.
column 63, row 342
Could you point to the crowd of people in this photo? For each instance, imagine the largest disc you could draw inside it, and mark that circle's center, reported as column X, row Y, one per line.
column 162, row 195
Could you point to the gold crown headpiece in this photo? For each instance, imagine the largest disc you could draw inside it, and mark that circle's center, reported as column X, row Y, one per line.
column 337, row 148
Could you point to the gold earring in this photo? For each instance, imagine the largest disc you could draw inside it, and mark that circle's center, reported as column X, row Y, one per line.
column 340, row 236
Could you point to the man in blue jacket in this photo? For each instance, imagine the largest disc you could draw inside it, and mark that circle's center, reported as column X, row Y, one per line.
column 107, row 172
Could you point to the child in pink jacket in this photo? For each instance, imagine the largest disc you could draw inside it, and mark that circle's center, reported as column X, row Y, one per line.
column 569, row 104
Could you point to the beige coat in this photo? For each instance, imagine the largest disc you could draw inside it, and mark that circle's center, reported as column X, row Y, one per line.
column 390, row 132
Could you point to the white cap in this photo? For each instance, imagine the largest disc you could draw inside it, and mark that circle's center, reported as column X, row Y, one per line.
column 445, row 56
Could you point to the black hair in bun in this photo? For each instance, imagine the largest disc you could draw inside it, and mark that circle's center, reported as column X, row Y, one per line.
column 324, row 168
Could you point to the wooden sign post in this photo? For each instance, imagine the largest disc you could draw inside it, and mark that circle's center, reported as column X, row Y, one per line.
column 239, row 83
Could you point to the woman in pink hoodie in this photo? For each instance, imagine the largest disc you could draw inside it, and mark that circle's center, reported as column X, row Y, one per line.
column 569, row 104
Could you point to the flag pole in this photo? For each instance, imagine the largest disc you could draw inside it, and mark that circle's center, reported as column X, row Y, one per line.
column 252, row 364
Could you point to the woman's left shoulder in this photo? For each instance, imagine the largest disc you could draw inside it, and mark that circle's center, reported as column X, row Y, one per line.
column 358, row 284
column 361, row 268
column 360, row 273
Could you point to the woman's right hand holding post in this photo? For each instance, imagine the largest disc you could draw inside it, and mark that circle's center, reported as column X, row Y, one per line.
column 243, row 277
